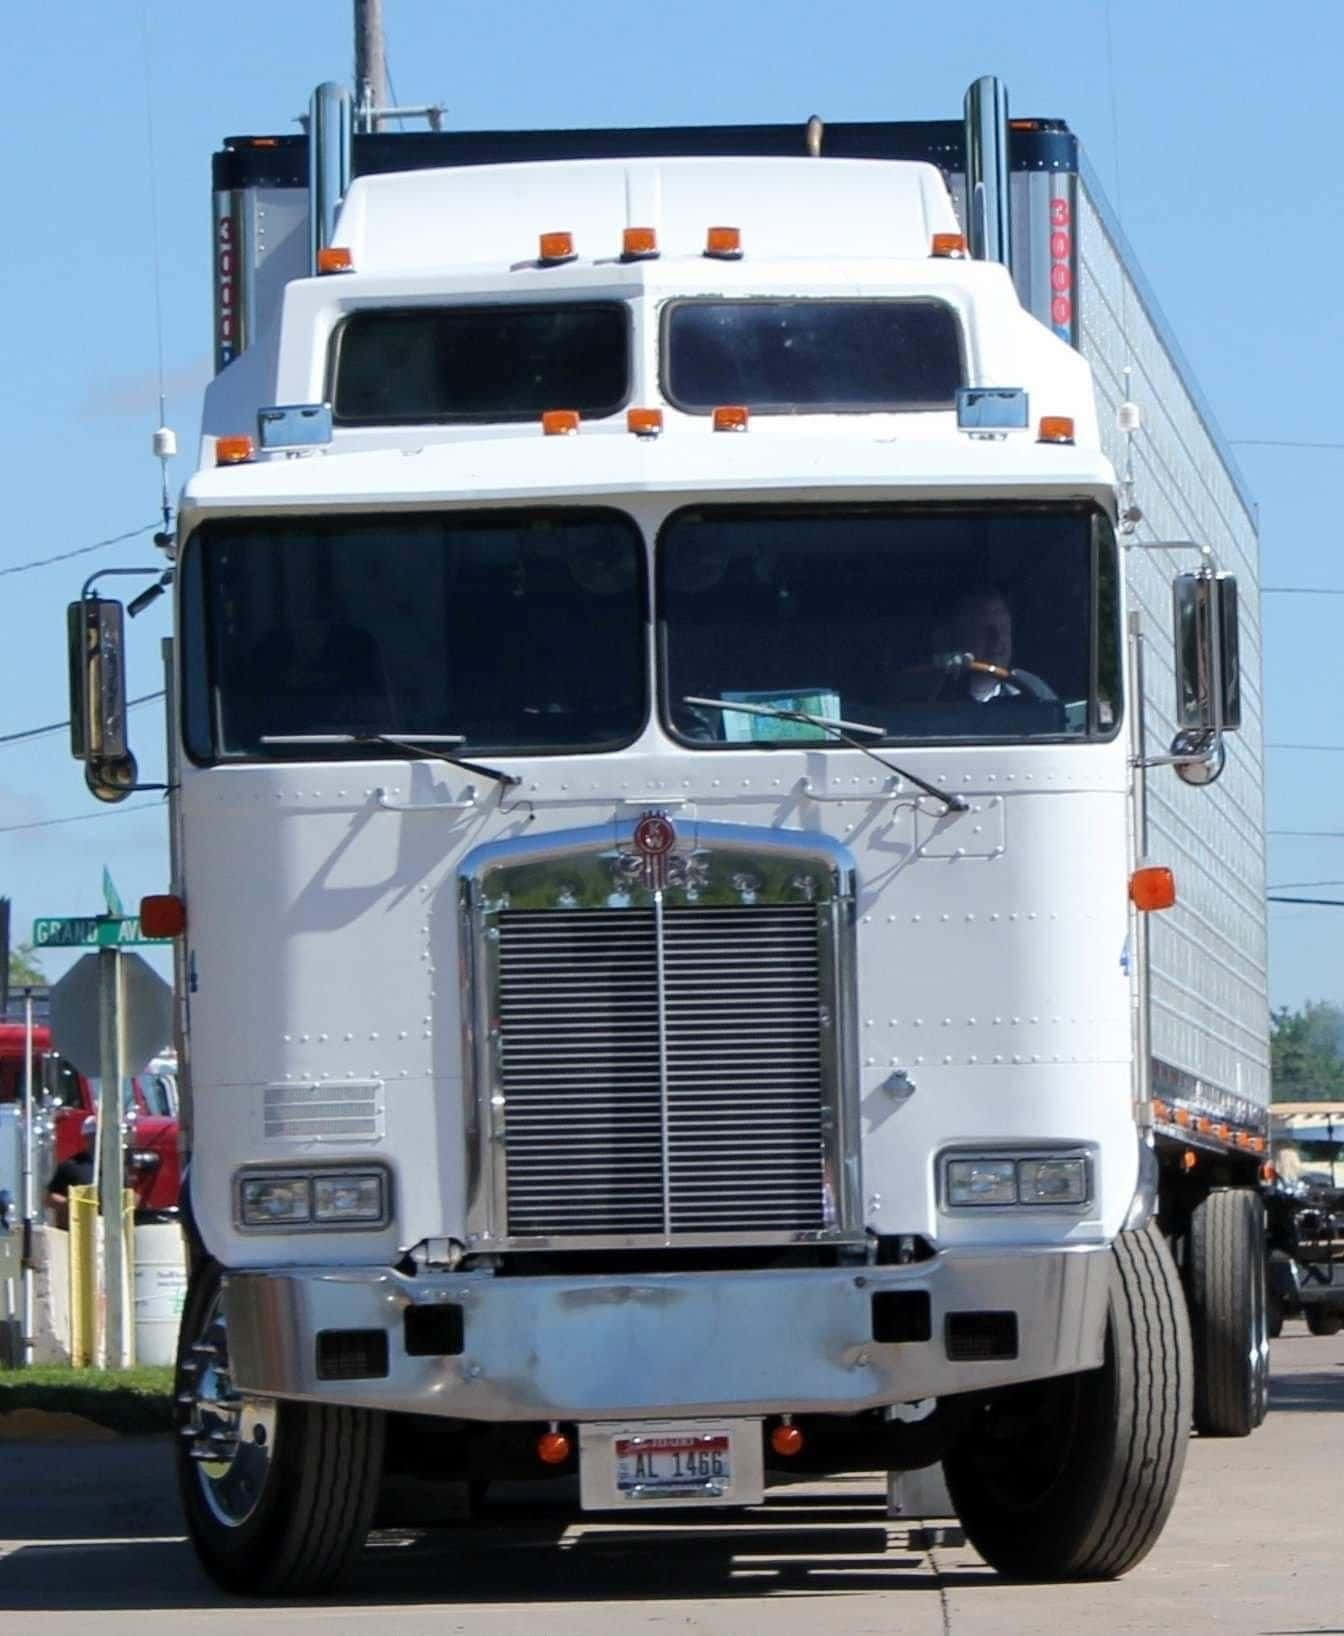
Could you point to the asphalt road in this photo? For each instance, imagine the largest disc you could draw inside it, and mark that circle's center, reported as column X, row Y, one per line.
column 90, row 1542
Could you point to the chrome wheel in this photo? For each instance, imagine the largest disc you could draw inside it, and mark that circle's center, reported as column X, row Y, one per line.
column 230, row 1437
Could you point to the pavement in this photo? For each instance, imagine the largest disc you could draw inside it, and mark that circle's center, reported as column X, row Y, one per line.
column 91, row 1539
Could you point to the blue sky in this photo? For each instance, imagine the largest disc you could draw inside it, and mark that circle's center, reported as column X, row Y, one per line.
column 1225, row 173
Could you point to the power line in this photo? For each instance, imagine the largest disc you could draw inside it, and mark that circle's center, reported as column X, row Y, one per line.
column 1319, row 834
column 81, row 817
column 59, row 726
column 1301, row 885
column 79, row 551
column 1302, row 590
column 1280, row 443
column 1326, row 903
column 1304, row 746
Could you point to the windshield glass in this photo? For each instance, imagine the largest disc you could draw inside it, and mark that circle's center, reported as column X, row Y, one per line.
column 517, row 630
column 972, row 624
column 812, row 355
column 421, row 365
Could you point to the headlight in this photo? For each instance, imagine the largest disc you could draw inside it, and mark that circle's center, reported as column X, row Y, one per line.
column 312, row 1199
column 348, row 1198
column 268, row 1201
column 1052, row 1181
column 981, row 1181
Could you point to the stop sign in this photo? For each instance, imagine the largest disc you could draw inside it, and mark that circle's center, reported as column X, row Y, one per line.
column 146, row 1008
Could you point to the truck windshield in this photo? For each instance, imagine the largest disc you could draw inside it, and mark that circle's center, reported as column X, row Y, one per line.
column 518, row 630
column 941, row 624
column 421, row 365
column 792, row 355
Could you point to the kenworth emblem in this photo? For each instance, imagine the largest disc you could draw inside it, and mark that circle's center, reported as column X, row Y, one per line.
column 653, row 838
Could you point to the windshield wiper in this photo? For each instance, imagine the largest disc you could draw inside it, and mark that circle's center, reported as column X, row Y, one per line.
column 417, row 744
column 842, row 730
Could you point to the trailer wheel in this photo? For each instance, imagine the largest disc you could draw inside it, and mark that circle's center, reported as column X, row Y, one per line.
column 1073, row 1478
column 1322, row 1322
column 278, row 1496
column 1229, row 1322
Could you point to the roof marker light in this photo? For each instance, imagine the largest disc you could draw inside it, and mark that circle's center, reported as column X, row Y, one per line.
column 1152, row 887
column 724, row 243
column 732, row 417
column 233, row 451
column 555, row 248
column 948, row 244
column 1055, row 429
column 335, row 258
column 560, row 422
column 644, row 422
column 639, row 244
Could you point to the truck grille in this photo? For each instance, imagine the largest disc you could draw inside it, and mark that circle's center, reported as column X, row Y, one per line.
column 662, row 1074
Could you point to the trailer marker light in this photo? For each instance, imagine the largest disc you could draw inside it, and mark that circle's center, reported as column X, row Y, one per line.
column 1189, row 1160
column 1183, row 1116
column 1161, row 1110
column 948, row 244
column 554, row 1448
column 1204, row 1125
column 234, row 451
column 644, row 422
column 560, row 422
column 724, row 243
column 639, row 244
column 732, row 417
column 163, row 915
column 1152, row 887
column 336, row 258
column 1268, row 1173
column 786, row 1439
column 555, row 248
column 1055, row 429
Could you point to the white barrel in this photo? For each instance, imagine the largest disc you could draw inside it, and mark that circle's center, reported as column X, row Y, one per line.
column 160, row 1290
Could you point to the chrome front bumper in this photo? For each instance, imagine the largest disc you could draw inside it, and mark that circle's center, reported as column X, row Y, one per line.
column 667, row 1345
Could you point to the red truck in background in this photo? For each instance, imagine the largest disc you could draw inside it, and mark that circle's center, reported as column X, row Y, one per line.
column 70, row 1100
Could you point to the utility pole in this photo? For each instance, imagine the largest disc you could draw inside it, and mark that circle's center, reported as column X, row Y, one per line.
column 371, row 87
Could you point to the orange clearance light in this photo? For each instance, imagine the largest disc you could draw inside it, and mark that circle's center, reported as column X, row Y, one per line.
column 233, row 451
column 1204, row 1125
column 1268, row 1172
column 638, row 243
column 560, row 422
column 1055, row 429
column 1183, row 1116
column 555, row 248
column 163, row 915
column 948, row 244
column 1152, row 887
column 554, row 1448
column 1188, row 1160
column 1161, row 1110
column 732, row 417
column 787, row 1440
column 724, row 242
column 335, row 259
column 644, row 422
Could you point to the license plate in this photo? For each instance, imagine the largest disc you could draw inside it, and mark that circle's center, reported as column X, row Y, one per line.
column 687, row 1462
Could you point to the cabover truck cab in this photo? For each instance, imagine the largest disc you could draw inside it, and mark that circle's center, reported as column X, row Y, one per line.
column 659, row 745
column 1305, row 1209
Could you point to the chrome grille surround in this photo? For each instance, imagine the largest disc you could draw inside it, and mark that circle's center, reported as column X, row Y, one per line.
column 660, row 1065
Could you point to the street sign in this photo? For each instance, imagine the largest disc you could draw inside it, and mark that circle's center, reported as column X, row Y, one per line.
column 111, row 897
column 146, row 1014
column 91, row 932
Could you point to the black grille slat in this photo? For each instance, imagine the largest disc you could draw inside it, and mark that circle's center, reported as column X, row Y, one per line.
column 581, row 1072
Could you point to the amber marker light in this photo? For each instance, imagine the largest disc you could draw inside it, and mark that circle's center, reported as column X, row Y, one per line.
column 639, row 244
column 335, row 259
column 163, row 915
column 725, row 243
column 554, row 1448
column 554, row 248
column 786, row 1439
column 233, row 451
column 1055, row 429
column 644, row 422
column 560, row 422
column 948, row 244
column 1188, row 1160
column 1152, row 887
column 731, row 417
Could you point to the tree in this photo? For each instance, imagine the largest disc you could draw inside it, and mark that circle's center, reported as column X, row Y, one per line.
column 25, row 970
column 1307, row 1053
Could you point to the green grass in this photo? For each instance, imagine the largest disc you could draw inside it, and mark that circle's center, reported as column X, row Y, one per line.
column 132, row 1401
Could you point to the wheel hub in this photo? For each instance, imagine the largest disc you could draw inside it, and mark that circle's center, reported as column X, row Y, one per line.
column 230, row 1437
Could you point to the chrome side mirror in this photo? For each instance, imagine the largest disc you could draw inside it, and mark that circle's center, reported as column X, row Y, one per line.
column 1208, row 675
column 97, row 660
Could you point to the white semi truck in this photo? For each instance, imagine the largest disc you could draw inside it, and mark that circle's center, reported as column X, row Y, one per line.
column 673, row 687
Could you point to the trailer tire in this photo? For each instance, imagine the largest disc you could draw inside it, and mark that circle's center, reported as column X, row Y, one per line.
column 285, row 1510
column 1072, row 1478
column 1322, row 1322
column 1226, row 1281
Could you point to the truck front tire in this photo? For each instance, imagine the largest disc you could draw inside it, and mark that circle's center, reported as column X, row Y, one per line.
column 1073, row 1478
column 278, row 1496
column 1229, row 1321
column 1321, row 1321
